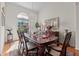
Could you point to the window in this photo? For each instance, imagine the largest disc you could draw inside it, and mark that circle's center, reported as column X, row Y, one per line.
column 23, row 22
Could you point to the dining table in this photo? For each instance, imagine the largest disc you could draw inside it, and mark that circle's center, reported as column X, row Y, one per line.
column 42, row 41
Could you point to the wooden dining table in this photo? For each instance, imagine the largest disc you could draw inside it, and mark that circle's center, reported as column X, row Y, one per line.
column 41, row 42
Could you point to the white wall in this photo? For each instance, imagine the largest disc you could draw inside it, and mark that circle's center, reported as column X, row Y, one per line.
column 2, row 30
column 0, row 14
column 1, row 39
column 66, row 14
column 77, row 26
column 12, row 10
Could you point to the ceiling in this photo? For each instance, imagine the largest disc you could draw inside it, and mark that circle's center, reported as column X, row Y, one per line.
column 35, row 6
column 38, row 6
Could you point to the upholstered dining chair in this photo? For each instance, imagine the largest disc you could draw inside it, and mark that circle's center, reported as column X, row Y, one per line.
column 29, row 48
column 20, row 44
column 25, row 47
column 57, row 50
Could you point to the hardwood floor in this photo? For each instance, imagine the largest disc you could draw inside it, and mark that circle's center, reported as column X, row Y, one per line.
column 76, row 52
column 8, row 45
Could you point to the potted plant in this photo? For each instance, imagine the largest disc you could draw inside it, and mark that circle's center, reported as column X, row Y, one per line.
column 37, row 25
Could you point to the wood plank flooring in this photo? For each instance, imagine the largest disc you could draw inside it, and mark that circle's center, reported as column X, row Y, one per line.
column 8, row 45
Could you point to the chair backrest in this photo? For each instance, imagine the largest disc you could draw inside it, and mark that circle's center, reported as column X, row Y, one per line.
column 25, row 39
column 66, row 43
column 23, row 42
column 19, row 35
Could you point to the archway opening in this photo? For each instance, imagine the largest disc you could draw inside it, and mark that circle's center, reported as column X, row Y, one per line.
column 23, row 22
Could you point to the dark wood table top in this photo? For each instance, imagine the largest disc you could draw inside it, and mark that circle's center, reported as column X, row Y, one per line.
column 41, row 41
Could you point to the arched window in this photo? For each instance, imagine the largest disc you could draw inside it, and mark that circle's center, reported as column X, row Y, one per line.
column 23, row 22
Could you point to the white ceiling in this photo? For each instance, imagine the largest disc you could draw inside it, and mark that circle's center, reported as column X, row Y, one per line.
column 35, row 6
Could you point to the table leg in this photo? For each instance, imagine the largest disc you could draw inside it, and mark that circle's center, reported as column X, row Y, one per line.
column 41, row 50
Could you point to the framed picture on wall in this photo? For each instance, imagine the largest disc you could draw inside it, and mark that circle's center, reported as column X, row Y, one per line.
column 54, row 22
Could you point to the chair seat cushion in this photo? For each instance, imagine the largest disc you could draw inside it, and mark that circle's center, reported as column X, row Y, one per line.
column 31, row 45
column 57, row 48
column 54, row 53
column 54, row 46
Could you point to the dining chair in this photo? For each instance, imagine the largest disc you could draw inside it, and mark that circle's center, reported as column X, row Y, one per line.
column 57, row 50
column 29, row 48
column 20, row 44
column 57, row 35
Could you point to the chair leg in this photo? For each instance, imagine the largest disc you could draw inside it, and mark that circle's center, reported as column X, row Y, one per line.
column 48, row 48
column 57, row 42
